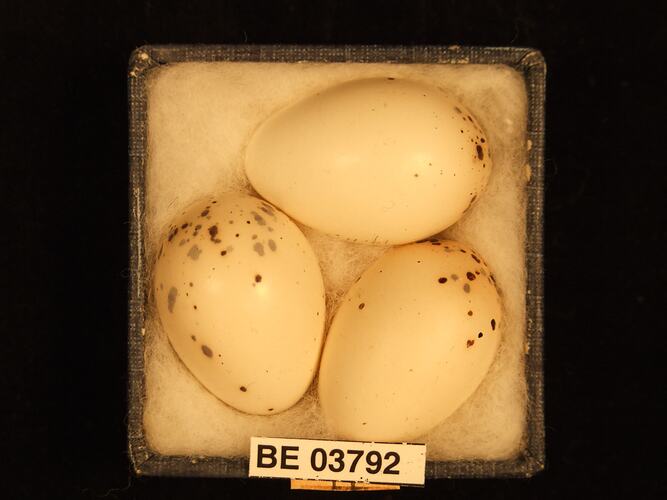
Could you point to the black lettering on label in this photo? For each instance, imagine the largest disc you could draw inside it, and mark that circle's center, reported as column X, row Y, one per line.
column 284, row 457
column 266, row 456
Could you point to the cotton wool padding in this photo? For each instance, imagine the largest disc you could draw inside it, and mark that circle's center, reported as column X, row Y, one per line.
column 200, row 118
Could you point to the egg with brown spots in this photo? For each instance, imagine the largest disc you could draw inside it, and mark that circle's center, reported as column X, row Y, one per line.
column 246, row 316
column 379, row 160
column 418, row 348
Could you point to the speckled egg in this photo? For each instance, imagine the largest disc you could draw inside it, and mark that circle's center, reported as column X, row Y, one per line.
column 379, row 160
column 410, row 342
column 239, row 293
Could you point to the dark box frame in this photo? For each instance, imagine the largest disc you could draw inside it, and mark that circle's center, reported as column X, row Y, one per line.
column 528, row 62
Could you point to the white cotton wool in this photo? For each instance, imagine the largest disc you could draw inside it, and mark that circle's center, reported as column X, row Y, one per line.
column 200, row 118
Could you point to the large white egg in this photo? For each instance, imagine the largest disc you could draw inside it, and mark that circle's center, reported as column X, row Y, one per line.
column 239, row 293
column 382, row 160
column 411, row 341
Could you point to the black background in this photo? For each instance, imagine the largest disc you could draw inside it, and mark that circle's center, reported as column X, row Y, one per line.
column 63, row 157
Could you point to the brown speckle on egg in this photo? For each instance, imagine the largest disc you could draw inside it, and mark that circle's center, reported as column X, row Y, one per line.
column 193, row 338
column 197, row 228
column 480, row 335
column 171, row 298
column 223, row 252
column 475, row 258
column 194, row 252
column 194, row 307
column 480, row 152
column 259, row 248
column 469, row 313
column 258, row 278
column 470, row 276
column 455, row 277
column 272, row 245
column 213, row 232
column 266, row 210
column 191, row 284
column 466, row 288
column 361, row 306
column 493, row 324
column 442, row 279
column 470, row 343
column 172, row 233
column 204, row 213
column 207, row 351
column 243, row 388
column 258, row 218
column 270, row 409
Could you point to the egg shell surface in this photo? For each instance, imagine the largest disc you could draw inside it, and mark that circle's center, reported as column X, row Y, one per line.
column 411, row 341
column 378, row 160
column 240, row 295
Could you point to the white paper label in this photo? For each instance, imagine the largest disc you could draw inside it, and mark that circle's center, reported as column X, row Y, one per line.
column 386, row 463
